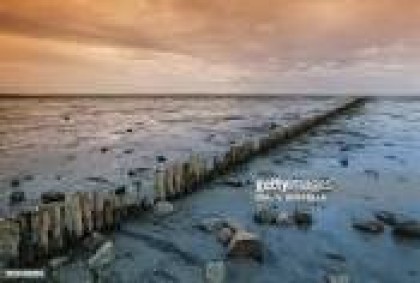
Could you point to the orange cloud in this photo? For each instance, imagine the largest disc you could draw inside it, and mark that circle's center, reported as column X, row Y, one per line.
column 263, row 39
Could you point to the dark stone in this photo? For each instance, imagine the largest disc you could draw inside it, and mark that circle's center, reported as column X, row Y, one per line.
column 345, row 148
column 369, row 226
column 129, row 130
column 135, row 172
column 265, row 216
column 336, row 257
column 272, row 126
column 302, row 218
column 49, row 197
column 128, row 151
column 121, row 190
column 28, row 177
column 16, row 197
column 409, row 229
column 66, row 118
column 344, row 162
column 161, row 158
column 104, row 149
column 372, row 173
column 386, row 217
column 14, row 183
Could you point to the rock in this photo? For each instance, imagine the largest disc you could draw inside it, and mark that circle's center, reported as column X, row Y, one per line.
column 136, row 172
column 129, row 130
column 161, row 158
column 265, row 216
column 16, row 197
column 215, row 224
column 128, row 151
column 245, row 245
column 215, row 272
column 344, row 162
column 336, row 257
column 28, row 177
column 51, row 196
column 409, row 229
column 103, row 256
column 162, row 208
column 369, row 226
column 14, row 183
column 225, row 235
column 302, row 218
column 386, row 217
column 372, row 173
column 104, row 149
column 121, row 190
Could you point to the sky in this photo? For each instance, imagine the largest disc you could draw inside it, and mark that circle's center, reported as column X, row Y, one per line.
column 209, row 46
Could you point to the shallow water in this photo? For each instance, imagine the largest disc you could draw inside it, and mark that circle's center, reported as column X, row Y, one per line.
column 380, row 140
column 381, row 144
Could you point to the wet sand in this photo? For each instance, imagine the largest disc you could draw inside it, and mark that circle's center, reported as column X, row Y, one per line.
column 380, row 146
column 380, row 142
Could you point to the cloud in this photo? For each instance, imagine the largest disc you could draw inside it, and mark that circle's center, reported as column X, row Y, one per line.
column 231, row 45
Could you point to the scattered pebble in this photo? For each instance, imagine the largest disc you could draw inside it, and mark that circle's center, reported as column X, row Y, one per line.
column 369, row 226
column 344, row 162
column 161, row 158
column 121, row 190
column 163, row 208
column 303, row 218
column 128, row 151
column 17, row 197
column 245, row 245
column 409, row 229
column 14, row 183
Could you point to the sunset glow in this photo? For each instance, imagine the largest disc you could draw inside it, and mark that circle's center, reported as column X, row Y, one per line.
column 241, row 46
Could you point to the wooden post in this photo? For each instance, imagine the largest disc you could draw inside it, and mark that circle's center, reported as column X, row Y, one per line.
column 45, row 223
column 186, row 174
column 10, row 241
column 57, row 219
column 177, row 179
column 169, row 178
column 98, row 211
column 78, row 215
column 160, row 193
column 109, row 213
column 87, row 208
column 68, row 215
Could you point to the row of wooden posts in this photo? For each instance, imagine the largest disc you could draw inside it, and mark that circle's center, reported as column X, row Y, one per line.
column 53, row 228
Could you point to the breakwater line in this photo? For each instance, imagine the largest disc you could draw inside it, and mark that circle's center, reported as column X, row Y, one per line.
column 61, row 219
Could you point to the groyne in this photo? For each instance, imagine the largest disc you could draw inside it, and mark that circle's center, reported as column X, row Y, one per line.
column 60, row 221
